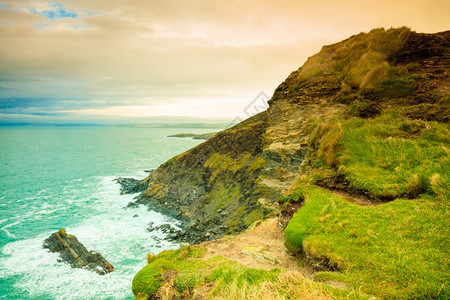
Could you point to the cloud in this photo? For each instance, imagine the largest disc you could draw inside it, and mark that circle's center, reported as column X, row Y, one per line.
column 166, row 55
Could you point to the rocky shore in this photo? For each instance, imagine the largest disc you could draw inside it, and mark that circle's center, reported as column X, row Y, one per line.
column 188, row 233
column 130, row 185
column 191, row 231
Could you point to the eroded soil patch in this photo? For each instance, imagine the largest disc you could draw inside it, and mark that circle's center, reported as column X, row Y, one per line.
column 339, row 186
column 288, row 212
column 262, row 247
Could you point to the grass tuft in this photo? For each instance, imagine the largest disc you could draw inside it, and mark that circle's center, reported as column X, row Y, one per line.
column 150, row 257
column 440, row 187
column 325, row 139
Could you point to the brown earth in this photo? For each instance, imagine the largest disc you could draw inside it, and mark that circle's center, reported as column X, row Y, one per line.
column 262, row 246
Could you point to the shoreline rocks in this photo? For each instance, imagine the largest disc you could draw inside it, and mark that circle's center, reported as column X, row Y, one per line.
column 130, row 185
column 192, row 231
column 187, row 234
column 75, row 253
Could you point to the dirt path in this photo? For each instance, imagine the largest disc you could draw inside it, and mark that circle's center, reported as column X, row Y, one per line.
column 261, row 247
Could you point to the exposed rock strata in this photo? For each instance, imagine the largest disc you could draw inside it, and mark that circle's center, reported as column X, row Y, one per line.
column 212, row 187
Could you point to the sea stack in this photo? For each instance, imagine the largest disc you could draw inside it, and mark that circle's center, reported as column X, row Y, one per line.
column 75, row 253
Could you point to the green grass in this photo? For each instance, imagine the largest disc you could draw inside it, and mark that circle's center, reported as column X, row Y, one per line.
column 397, row 250
column 391, row 156
column 148, row 280
column 218, row 277
column 220, row 163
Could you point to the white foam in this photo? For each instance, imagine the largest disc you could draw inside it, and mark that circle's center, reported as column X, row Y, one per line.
column 121, row 238
column 5, row 229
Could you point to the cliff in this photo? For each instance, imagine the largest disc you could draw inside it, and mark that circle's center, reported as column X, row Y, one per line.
column 237, row 177
column 352, row 155
column 213, row 186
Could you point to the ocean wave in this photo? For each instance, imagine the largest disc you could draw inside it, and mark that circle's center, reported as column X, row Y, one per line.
column 5, row 229
column 119, row 234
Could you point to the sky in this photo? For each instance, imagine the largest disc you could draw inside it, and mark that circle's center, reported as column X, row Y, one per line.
column 150, row 61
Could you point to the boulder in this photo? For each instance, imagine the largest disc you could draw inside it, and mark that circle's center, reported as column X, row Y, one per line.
column 75, row 253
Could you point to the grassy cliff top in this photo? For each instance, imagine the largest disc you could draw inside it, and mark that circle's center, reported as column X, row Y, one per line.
column 393, row 67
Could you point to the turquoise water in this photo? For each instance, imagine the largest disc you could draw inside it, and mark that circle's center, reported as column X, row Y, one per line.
column 62, row 177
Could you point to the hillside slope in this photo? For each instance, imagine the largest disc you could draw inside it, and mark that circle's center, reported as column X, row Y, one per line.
column 236, row 177
column 368, row 117
column 212, row 187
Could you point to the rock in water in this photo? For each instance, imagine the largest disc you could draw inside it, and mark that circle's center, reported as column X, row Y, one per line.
column 75, row 253
column 130, row 185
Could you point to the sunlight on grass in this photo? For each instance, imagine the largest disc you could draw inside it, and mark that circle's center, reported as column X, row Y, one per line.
column 358, row 61
column 397, row 250
column 390, row 156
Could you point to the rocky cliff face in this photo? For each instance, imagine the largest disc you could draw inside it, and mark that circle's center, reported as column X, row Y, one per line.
column 75, row 254
column 213, row 186
column 237, row 177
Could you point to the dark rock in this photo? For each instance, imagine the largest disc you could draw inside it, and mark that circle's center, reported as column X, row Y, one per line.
column 184, row 187
column 132, row 205
column 421, row 46
column 135, row 216
column 75, row 254
column 149, row 170
column 130, row 185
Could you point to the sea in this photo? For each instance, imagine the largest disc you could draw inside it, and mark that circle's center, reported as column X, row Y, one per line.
column 54, row 177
